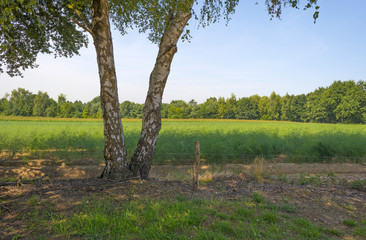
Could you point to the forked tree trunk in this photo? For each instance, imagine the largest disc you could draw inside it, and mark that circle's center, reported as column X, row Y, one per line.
column 115, row 153
column 151, row 121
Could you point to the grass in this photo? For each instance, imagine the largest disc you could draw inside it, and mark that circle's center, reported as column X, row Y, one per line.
column 282, row 177
column 350, row 222
column 349, row 206
column 307, row 178
column 183, row 218
column 360, row 230
column 178, row 218
column 221, row 141
column 257, row 197
column 359, row 185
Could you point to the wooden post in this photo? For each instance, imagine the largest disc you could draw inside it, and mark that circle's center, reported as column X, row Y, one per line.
column 195, row 165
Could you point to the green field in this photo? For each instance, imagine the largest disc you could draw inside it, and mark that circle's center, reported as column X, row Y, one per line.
column 222, row 141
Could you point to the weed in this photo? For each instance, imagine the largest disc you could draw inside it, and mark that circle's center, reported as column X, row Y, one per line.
column 38, row 220
column 285, row 207
column 181, row 198
column 281, row 177
column 361, row 229
column 25, row 159
column 222, row 216
column 306, row 179
column 16, row 237
column 206, row 234
column 359, row 185
column 244, row 212
column 350, row 222
column 224, row 227
column 257, row 197
column 334, row 232
column 34, row 200
column 348, row 206
column 332, row 176
column 269, row 217
column 8, row 179
column 306, row 229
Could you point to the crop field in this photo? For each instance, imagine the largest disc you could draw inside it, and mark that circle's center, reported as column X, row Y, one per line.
column 222, row 141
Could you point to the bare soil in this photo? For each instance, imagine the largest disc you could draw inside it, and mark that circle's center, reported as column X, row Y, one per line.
column 328, row 200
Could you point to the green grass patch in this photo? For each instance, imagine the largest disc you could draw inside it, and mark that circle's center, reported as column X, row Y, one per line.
column 288, row 208
column 350, row 222
column 359, row 185
column 8, row 179
column 184, row 218
column 257, row 197
column 360, row 230
column 307, row 178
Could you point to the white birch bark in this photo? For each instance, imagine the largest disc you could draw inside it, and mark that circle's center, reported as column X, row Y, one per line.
column 115, row 153
column 151, row 121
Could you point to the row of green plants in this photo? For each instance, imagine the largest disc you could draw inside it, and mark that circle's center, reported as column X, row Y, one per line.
column 342, row 102
column 221, row 141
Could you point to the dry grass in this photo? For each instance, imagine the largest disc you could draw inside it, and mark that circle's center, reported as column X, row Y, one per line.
column 258, row 168
column 207, row 173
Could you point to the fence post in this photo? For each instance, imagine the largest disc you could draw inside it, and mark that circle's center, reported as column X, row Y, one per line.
column 196, row 164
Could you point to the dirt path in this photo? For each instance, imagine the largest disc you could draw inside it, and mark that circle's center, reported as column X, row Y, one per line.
column 87, row 169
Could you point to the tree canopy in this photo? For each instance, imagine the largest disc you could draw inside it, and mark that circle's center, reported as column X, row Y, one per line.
column 29, row 28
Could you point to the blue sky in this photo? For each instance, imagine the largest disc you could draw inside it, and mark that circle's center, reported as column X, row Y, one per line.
column 252, row 55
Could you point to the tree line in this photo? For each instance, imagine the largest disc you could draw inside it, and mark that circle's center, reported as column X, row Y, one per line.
column 342, row 102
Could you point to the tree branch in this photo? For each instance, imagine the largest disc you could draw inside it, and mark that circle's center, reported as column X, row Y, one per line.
column 84, row 18
column 86, row 23
column 82, row 26
column 81, row 15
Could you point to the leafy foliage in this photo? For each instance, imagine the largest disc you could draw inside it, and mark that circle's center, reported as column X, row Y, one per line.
column 29, row 28
column 156, row 16
column 275, row 7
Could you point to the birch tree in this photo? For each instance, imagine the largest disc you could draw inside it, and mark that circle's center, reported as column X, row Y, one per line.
column 177, row 17
column 177, row 14
column 59, row 27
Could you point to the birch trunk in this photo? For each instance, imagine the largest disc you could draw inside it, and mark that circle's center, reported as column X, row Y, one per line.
column 115, row 153
column 151, row 121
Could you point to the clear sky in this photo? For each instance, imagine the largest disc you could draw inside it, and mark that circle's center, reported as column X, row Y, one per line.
column 252, row 55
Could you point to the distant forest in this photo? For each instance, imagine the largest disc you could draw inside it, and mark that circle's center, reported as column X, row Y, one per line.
column 342, row 102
